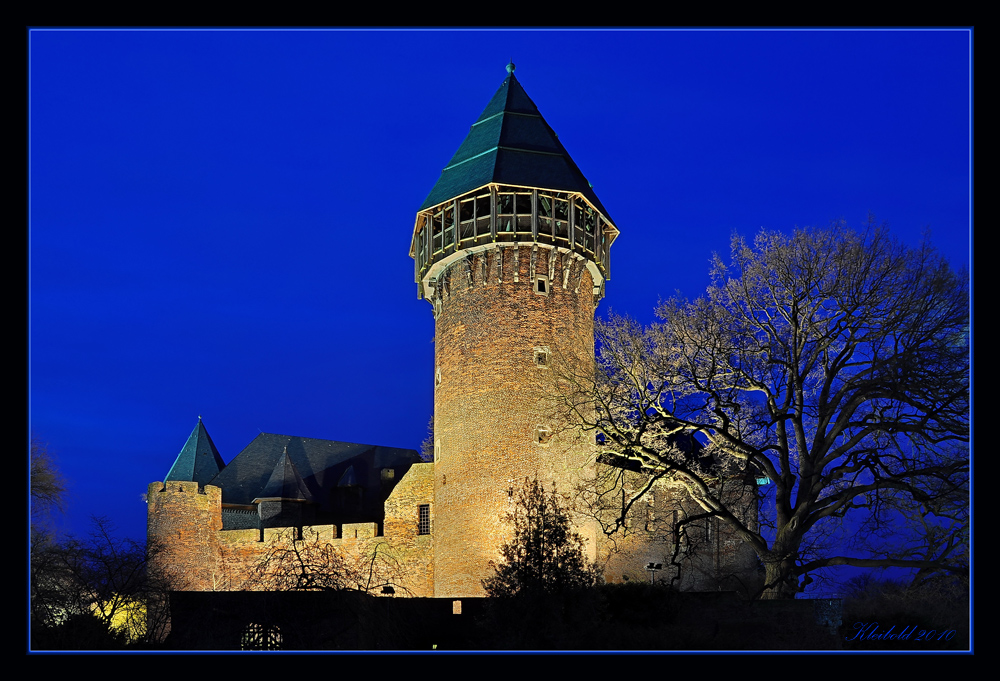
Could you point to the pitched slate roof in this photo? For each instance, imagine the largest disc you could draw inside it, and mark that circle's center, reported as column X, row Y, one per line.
column 285, row 482
column 199, row 460
column 318, row 466
column 510, row 143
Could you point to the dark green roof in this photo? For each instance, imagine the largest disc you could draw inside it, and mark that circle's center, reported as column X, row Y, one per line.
column 199, row 460
column 510, row 143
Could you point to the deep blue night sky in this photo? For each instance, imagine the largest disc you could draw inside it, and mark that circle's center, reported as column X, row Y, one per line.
column 220, row 220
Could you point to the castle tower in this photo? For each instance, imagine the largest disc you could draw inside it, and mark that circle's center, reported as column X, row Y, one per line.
column 183, row 515
column 512, row 251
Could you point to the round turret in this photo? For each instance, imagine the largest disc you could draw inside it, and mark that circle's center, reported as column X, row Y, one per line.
column 183, row 522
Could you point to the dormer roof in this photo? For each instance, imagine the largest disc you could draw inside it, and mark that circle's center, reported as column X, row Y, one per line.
column 285, row 482
column 270, row 462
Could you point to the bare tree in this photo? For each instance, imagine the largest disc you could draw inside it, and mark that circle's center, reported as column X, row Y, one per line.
column 103, row 576
column 427, row 445
column 311, row 563
column 648, row 511
column 48, row 489
column 833, row 363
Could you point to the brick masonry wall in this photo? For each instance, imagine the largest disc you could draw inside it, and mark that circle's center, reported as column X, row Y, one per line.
column 415, row 552
column 199, row 556
column 489, row 399
column 182, row 525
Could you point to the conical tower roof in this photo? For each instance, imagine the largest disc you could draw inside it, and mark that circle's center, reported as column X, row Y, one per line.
column 199, row 460
column 511, row 144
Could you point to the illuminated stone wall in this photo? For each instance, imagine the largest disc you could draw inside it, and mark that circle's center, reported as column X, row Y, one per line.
column 493, row 426
column 707, row 556
column 198, row 555
column 183, row 524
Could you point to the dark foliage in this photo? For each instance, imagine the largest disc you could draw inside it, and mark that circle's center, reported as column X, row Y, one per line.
column 545, row 555
column 543, row 595
column 81, row 587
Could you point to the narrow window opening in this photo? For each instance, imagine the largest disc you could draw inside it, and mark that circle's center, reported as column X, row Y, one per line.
column 424, row 519
column 542, row 357
column 542, row 285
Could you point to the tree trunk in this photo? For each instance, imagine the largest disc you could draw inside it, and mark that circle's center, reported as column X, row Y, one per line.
column 779, row 576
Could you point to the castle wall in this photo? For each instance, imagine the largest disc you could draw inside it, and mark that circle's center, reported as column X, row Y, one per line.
column 413, row 550
column 490, row 398
column 706, row 556
column 198, row 555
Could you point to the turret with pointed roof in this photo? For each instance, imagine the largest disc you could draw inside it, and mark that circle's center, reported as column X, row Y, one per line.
column 199, row 460
column 510, row 143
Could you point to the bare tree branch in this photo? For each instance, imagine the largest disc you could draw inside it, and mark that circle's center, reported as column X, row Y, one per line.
column 833, row 362
column 311, row 563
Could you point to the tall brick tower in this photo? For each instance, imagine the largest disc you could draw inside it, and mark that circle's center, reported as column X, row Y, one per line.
column 512, row 251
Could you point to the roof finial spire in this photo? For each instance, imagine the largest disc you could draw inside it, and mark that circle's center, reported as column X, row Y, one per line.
column 510, row 66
